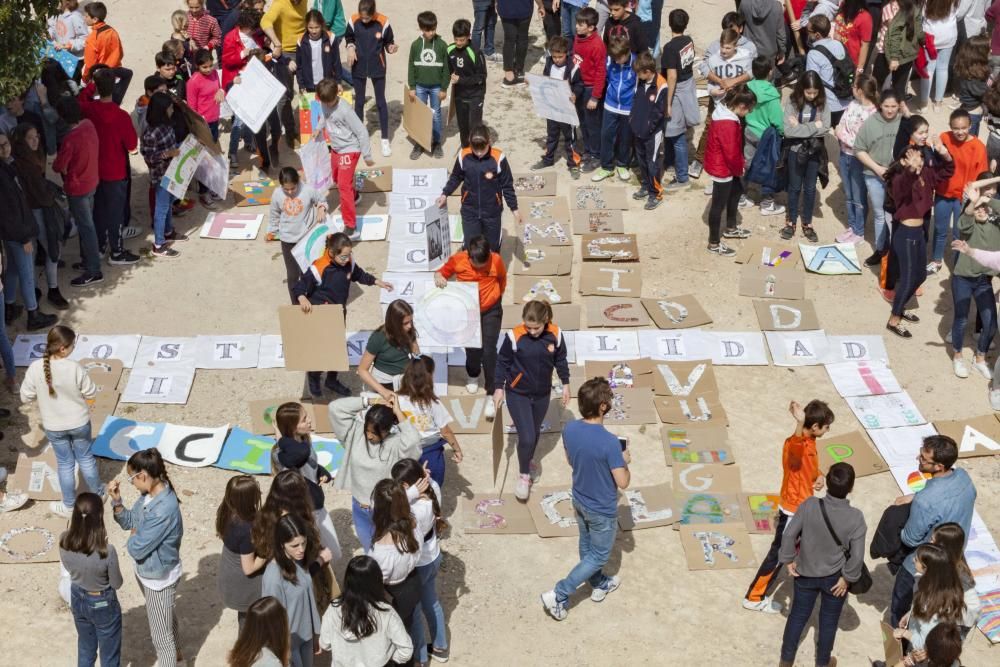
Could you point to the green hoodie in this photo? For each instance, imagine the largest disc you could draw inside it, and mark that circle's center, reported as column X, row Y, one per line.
column 428, row 64
column 767, row 112
column 333, row 14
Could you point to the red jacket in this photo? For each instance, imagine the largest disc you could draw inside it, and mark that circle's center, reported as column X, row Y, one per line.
column 590, row 54
column 724, row 148
column 77, row 160
column 232, row 60
column 116, row 135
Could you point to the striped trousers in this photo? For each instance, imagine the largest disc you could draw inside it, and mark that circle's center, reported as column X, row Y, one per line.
column 162, row 623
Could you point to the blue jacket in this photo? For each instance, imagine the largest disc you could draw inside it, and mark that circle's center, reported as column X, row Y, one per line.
column 303, row 61
column 370, row 41
column 156, row 543
column 524, row 364
column 649, row 108
column 515, row 9
column 764, row 166
column 486, row 183
column 620, row 90
column 950, row 498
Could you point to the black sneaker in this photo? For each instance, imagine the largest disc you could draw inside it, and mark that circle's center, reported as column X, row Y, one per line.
column 56, row 298
column 164, row 251
column 541, row 164
column 39, row 320
column 336, row 386
column 508, row 83
column 652, row 203
column 874, row 260
column 122, row 258
column 315, row 389
column 86, row 280
column 437, row 151
column 590, row 164
column 640, row 194
column 174, row 235
column 12, row 312
column 416, row 153
column 722, row 250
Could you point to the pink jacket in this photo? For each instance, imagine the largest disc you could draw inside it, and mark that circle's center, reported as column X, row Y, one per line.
column 201, row 92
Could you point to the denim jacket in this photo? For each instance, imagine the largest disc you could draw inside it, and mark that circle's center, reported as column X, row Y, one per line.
column 944, row 499
column 156, row 543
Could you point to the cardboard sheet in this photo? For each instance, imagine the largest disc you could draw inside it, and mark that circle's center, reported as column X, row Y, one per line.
column 37, row 475
column 717, row 547
column 976, row 436
column 535, row 184
column 775, row 315
column 705, row 478
column 609, row 247
column 696, row 444
column 565, row 315
column 598, row 222
column 544, row 233
column 684, row 378
column 543, row 260
column 677, row 312
column 691, row 409
column 313, row 341
column 487, row 513
column 544, row 209
column 631, row 407
column 554, row 289
column 499, row 440
column 262, row 415
column 611, row 280
column 30, row 539
column 373, row 179
column 760, row 512
column 625, row 374
column 418, row 120
column 615, row 312
column 853, row 448
column 831, row 259
column 647, row 507
column 468, row 413
column 552, row 511
column 599, row 198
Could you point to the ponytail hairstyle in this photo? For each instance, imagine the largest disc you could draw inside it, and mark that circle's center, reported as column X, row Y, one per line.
column 417, row 383
column 362, row 596
column 868, row 88
column 241, row 501
column 287, row 529
column 940, row 591
column 86, row 532
column 59, row 338
column 393, row 328
column 265, row 626
column 150, row 462
column 391, row 515
column 409, row 472
column 537, row 312
column 289, row 494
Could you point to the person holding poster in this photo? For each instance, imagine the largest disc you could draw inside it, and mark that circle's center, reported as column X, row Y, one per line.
column 159, row 146
column 294, row 210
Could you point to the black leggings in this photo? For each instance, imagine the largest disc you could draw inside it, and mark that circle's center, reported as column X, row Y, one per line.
column 360, row 84
column 909, row 248
column 899, row 78
column 292, row 270
column 515, row 44
column 725, row 195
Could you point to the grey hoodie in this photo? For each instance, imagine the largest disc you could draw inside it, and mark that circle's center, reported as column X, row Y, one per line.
column 346, row 132
column 765, row 26
column 292, row 217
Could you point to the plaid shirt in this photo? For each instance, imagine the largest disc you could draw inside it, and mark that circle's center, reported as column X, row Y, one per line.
column 156, row 141
column 204, row 30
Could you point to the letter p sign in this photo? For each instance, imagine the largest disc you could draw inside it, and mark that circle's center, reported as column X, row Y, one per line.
column 839, row 453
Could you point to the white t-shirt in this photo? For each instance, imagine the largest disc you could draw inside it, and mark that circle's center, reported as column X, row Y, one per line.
column 316, row 45
column 423, row 512
column 428, row 420
column 172, row 577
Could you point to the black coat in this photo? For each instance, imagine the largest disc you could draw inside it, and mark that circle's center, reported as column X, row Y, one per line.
column 887, row 542
column 17, row 222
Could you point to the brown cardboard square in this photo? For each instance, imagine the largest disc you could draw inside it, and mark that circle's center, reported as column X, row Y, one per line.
column 708, row 507
column 555, row 417
column 554, row 289
column 498, row 441
column 314, row 341
column 647, row 507
column 631, row 407
column 262, row 415
column 560, row 500
column 694, row 408
column 705, row 478
column 533, row 184
column 487, row 513
column 105, row 373
column 199, row 127
column 760, row 512
column 598, row 222
column 684, row 378
column 780, row 256
column 613, row 280
column 854, row 448
column 577, row 376
column 696, row 444
column 891, row 647
column 609, row 247
column 374, row 179
column 252, row 188
column 612, row 312
column 102, row 406
column 717, row 547
column 37, row 475
column 537, row 260
column 677, row 312
column 564, row 315
column 625, row 374
column 544, row 209
column 468, row 413
column 767, row 282
column 600, row 197
column 30, row 539
column 418, row 120
column 976, row 436
column 777, row 315
column 544, row 233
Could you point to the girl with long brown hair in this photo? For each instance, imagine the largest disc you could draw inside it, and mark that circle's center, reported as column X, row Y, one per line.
column 389, row 349
column 239, row 566
column 62, row 389
column 807, row 122
column 288, row 494
column 92, row 564
column 421, row 406
column 972, row 71
column 263, row 640
column 939, row 597
column 951, row 538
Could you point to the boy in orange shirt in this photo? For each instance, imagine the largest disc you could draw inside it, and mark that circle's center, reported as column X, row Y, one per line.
column 103, row 45
column 479, row 264
column 800, row 463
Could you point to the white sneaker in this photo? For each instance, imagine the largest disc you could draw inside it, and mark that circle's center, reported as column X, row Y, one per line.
column 770, row 208
column 708, row 189
column 766, row 605
column 983, row 369
column 523, row 488
column 554, row 609
column 386, row 148
column 13, row 501
column 995, row 399
column 472, row 385
column 745, row 202
column 601, row 592
column 491, row 409
column 57, row 508
column 960, row 367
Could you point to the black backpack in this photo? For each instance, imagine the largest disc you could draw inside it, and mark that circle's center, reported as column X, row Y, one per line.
column 843, row 73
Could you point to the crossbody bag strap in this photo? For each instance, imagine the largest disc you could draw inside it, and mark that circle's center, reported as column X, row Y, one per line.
column 829, row 526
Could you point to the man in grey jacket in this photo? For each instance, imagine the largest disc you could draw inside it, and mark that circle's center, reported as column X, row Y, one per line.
column 821, row 567
column 765, row 27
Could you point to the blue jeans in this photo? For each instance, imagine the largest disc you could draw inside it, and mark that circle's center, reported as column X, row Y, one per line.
column 364, row 524
column 82, row 210
column 964, row 290
column 432, row 611
column 675, row 154
column 801, row 183
column 241, row 131
column 567, row 13
column 98, row 620
column 19, row 271
column 597, row 537
column 73, row 447
column 163, row 216
column 433, row 456
column 6, row 351
column 484, row 26
column 616, row 140
column 902, row 596
column 429, row 95
column 876, row 193
column 938, row 71
column 976, row 119
column 852, row 177
column 946, row 214
column 807, row 589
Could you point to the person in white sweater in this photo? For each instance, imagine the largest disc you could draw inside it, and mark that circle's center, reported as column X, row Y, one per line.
column 62, row 387
column 359, row 627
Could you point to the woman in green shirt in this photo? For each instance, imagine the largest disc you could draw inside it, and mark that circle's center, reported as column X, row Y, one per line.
column 389, row 349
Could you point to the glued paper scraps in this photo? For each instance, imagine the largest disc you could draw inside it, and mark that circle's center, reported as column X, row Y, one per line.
column 613, row 280
column 30, row 540
column 797, row 348
column 552, row 511
column 37, row 475
column 760, row 512
column 886, row 411
column 713, row 547
column 449, row 317
column 600, row 198
column 694, row 408
column 553, row 289
column 535, row 184
column 775, row 315
column 486, row 513
column 544, row 209
column 631, row 406
column 863, row 378
column 626, row 374
column 647, row 507
column 544, row 233
column 536, row 260
column 616, row 312
column 853, row 448
column 833, row 259
column 609, row 247
column 676, row 312
column 695, row 443
column 684, row 378
column 598, row 222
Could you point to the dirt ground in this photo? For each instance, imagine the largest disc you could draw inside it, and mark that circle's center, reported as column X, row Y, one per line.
column 490, row 585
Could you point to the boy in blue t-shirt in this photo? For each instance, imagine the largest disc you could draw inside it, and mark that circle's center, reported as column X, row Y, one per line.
column 600, row 468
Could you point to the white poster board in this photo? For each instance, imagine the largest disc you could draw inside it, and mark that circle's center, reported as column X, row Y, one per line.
column 180, row 172
column 449, row 317
column 255, row 96
column 552, row 99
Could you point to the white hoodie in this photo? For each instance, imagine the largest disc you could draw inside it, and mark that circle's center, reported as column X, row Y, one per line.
column 390, row 640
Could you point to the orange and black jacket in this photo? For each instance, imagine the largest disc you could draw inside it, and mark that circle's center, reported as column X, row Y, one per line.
column 370, row 41
column 486, row 182
column 329, row 282
column 525, row 363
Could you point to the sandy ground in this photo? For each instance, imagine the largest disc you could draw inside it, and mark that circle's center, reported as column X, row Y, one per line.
column 489, row 585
